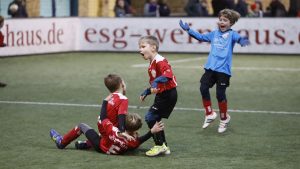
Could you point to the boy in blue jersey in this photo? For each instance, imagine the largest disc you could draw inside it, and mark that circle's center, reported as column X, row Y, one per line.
column 218, row 65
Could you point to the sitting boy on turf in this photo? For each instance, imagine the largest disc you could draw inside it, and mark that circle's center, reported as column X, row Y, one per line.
column 117, row 106
column 110, row 140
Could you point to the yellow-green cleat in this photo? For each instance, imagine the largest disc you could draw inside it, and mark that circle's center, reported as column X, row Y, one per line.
column 168, row 152
column 157, row 150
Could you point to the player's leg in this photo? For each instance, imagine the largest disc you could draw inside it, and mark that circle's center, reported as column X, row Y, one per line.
column 168, row 108
column 83, row 145
column 206, row 82
column 92, row 136
column 74, row 133
column 151, row 118
column 164, row 104
column 63, row 141
column 222, row 84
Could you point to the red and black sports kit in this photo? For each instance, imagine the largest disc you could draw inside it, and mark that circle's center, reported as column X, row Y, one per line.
column 161, row 75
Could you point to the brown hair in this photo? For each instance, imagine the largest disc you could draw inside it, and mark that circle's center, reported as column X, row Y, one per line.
column 112, row 82
column 133, row 122
column 152, row 40
column 230, row 14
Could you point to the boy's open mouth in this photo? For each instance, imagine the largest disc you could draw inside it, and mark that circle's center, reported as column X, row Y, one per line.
column 222, row 26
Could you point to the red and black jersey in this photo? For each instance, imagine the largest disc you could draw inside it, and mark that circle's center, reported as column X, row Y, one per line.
column 161, row 67
column 110, row 142
column 117, row 105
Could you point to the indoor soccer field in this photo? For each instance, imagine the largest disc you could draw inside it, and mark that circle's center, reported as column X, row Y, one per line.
column 61, row 90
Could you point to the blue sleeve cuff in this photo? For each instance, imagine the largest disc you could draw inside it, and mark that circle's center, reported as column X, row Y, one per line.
column 146, row 92
column 160, row 79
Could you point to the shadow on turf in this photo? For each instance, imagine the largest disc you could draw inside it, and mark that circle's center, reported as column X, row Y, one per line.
column 137, row 152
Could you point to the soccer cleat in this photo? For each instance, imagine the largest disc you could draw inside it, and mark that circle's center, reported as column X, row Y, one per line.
column 223, row 124
column 57, row 138
column 157, row 150
column 82, row 145
column 168, row 152
column 209, row 119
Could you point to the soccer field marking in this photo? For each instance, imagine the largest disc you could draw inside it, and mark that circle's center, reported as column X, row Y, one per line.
column 143, row 107
column 248, row 68
column 281, row 69
column 171, row 61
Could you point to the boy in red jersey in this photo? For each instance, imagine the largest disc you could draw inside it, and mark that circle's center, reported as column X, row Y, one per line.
column 117, row 105
column 110, row 140
column 163, row 84
column 2, row 44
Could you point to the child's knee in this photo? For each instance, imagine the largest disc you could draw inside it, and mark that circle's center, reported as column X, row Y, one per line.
column 221, row 96
column 204, row 89
column 151, row 119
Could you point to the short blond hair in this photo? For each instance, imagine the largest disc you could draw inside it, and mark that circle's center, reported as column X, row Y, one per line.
column 152, row 40
column 133, row 122
column 230, row 14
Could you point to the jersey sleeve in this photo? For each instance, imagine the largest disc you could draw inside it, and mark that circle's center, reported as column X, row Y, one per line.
column 202, row 37
column 235, row 37
column 123, row 108
column 106, row 127
column 165, row 69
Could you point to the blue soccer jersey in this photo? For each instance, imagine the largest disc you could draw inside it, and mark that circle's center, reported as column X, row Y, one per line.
column 222, row 43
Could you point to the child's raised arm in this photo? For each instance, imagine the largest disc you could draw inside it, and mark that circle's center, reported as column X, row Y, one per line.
column 195, row 34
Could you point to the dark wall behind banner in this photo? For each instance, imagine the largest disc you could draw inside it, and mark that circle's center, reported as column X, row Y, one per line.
column 74, row 7
column 37, row 8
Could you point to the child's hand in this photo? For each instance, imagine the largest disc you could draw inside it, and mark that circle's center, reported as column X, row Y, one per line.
column 145, row 94
column 127, row 136
column 153, row 90
column 158, row 126
column 244, row 41
column 185, row 26
column 142, row 98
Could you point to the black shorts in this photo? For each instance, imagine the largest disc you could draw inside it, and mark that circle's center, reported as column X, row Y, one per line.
column 164, row 103
column 211, row 77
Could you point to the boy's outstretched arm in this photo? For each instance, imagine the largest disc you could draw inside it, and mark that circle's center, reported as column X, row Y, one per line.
column 201, row 37
column 185, row 26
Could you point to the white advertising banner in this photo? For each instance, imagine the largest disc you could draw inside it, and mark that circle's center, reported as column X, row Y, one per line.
column 30, row 36
column 36, row 36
